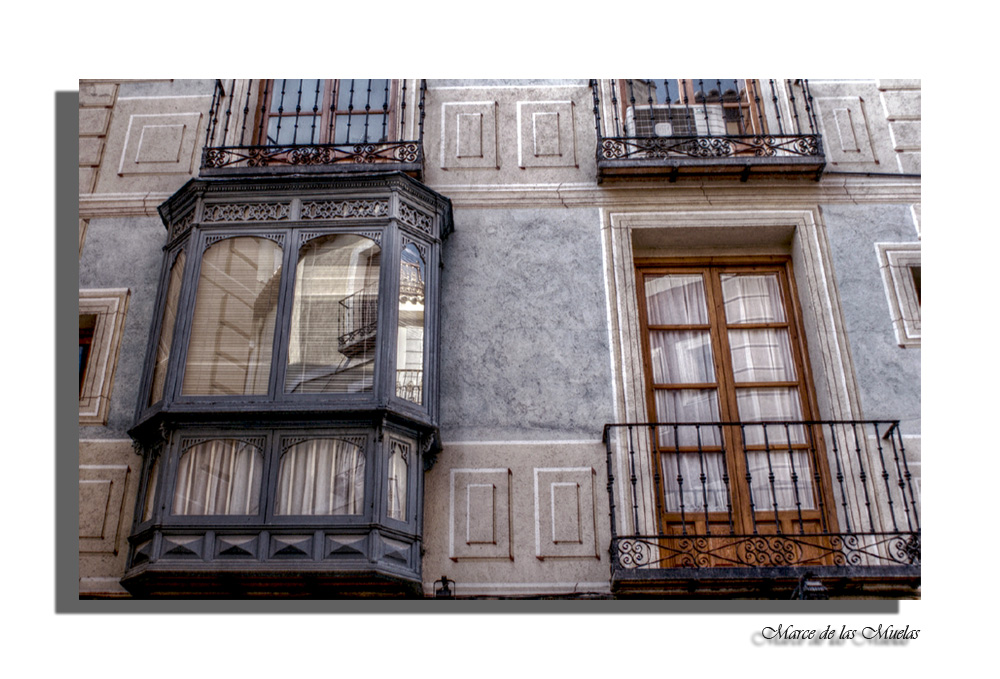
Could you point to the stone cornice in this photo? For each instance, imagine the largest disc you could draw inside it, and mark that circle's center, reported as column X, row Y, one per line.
column 93, row 205
column 831, row 189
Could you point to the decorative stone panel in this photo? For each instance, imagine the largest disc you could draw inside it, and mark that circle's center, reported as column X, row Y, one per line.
column 480, row 520
column 161, row 144
column 565, row 520
column 845, row 130
column 545, row 134
column 102, row 503
column 469, row 135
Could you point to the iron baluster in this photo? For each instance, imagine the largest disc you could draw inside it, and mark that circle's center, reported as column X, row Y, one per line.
column 332, row 117
column 840, row 478
column 680, row 480
column 229, row 111
column 817, row 477
column 611, row 498
column 213, row 112
column 261, row 138
column 906, row 468
column 810, row 110
column 795, row 479
column 899, row 472
column 597, row 115
column 385, row 110
column 634, row 479
column 246, row 113
column 770, row 478
column 704, row 478
column 402, row 112
column 863, row 477
column 368, row 108
column 654, row 439
column 316, row 99
column 885, row 477
column 281, row 110
column 792, row 105
column 725, row 480
column 748, row 476
column 777, row 108
column 758, row 106
column 298, row 110
column 704, row 106
column 614, row 107
column 350, row 111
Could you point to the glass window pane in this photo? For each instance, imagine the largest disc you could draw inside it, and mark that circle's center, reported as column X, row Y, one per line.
column 288, row 130
column 681, row 356
column 218, row 477
column 792, row 485
column 150, row 504
column 398, row 473
column 677, row 406
column 167, row 329
column 761, row 355
column 685, row 471
column 321, row 477
column 233, row 327
column 676, row 300
column 770, row 404
column 359, row 128
column 334, row 316
column 356, row 95
column 410, row 331
column 753, row 298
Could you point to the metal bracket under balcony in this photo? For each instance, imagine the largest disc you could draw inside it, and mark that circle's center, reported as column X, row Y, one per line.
column 673, row 128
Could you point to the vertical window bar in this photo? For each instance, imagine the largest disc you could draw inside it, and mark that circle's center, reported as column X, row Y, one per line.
column 634, row 480
column 791, row 101
column 704, row 106
column 687, row 101
column 334, row 96
column 817, row 479
column 368, row 108
column 246, row 112
column 402, row 113
column 229, row 111
column 614, row 106
column 770, row 480
column 725, row 480
column 611, row 486
column 635, row 114
column 795, row 480
column 748, row 476
column 281, row 109
column 298, row 110
column 316, row 98
column 423, row 92
column 261, row 134
column 350, row 110
column 840, row 479
column 213, row 114
column 885, row 477
column 722, row 108
column 810, row 111
column 777, row 109
column 863, row 477
column 654, row 442
column 899, row 474
column 385, row 110
column 666, row 88
column 680, row 480
column 906, row 472
column 704, row 479
column 759, row 107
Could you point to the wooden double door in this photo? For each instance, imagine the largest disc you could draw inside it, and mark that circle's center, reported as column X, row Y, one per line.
column 724, row 352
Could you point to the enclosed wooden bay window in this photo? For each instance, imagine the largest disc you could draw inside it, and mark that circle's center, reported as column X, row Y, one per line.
column 290, row 399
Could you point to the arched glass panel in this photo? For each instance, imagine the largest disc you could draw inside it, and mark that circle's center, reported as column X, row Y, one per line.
column 410, row 331
column 221, row 476
column 331, row 345
column 233, row 327
column 321, row 477
column 167, row 329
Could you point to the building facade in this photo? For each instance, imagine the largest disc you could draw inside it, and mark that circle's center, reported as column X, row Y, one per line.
column 490, row 338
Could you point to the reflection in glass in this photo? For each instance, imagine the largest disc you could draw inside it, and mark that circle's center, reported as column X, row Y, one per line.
column 331, row 346
column 233, row 328
column 410, row 331
column 167, row 329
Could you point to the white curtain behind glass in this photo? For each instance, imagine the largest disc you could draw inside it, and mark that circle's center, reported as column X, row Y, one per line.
column 218, row 477
column 321, row 477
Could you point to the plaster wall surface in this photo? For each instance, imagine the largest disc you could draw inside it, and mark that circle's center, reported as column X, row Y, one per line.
column 524, row 343
column 888, row 375
column 124, row 252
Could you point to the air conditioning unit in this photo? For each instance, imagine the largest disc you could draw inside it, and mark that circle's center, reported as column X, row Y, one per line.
column 675, row 120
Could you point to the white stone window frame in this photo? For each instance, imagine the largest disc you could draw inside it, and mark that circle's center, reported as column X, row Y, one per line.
column 109, row 306
column 895, row 261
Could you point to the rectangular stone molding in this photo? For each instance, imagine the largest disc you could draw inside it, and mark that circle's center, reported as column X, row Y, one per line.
column 160, row 144
column 479, row 514
column 565, row 520
column 102, row 503
column 469, row 135
column 109, row 307
column 895, row 262
column 545, row 134
column 844, row 125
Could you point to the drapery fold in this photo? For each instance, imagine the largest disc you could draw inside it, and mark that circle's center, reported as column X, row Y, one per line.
column 322, row 476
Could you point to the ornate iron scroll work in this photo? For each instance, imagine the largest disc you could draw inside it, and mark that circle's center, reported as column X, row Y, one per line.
column 312, row 154
column 764, row 146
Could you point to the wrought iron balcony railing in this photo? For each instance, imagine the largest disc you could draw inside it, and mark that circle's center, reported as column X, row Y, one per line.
column 410, row 385
column 780, row 497
column 702, row 126
column 357, row 320
column 315, row 125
